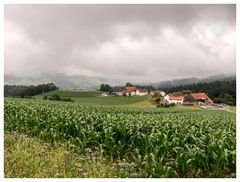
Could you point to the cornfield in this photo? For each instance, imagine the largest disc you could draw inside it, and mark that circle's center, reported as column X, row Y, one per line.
column 159, row 142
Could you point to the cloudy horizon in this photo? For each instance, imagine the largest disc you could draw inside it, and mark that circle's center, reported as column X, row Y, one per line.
column 133, row 42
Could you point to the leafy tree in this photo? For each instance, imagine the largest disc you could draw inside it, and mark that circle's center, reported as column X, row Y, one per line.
column 128, row 84
column 102, row 87
column 55, row 97
column 186, row 91
column 158, row 99
column 106, row 88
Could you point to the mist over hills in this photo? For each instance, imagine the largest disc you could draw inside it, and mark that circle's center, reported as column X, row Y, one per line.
column 61, row 80
column 85, row 82
column 192, row 80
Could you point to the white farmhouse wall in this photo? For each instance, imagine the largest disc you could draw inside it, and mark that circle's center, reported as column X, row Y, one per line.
column 166, row 99
column 152, row 93
column 143, row 93
column 133, row 93
column 104, row 94
column 162, row 93
column 177, row 101
column 138, row 92
column 120, row 93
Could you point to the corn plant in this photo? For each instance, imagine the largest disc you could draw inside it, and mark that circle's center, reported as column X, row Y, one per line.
column 160, row 142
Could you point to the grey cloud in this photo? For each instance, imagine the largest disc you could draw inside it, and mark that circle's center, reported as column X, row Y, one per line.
column 135, row 42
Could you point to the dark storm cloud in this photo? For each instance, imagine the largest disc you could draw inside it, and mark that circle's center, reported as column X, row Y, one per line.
column 138, row 42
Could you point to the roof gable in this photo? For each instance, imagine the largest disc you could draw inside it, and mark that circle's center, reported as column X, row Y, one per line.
column 129, row 89
column 201, row 96
column 178, row 98
column 143, row 90
column 177, row 94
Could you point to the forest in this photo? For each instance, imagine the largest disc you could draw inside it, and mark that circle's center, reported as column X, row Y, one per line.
column 27, row 91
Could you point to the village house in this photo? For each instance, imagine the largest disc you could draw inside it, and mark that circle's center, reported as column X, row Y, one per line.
column 198, row 99
column 177, row 94
column 160, row 93
column 142, row 92
column 171, row 98
column 105, row 94
column 130, row 90
column 188, row 99
column 120, row 93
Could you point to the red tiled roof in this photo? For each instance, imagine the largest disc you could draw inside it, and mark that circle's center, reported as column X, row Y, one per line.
column 172, row 97
column 201, row 96
column 177, row 94
column 158, row 91
column 143, row 90
column 129, row 89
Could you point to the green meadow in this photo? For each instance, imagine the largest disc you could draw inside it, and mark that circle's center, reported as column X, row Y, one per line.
column 95, row 97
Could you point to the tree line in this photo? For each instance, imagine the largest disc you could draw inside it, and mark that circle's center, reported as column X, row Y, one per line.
column 27, row 91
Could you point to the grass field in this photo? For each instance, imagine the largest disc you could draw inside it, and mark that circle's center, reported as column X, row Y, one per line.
column 146, row 102
column 233, row 109
column 73, row 93
column 111, row 100
column 94, row 97
column 145, row 142
column 196, row 107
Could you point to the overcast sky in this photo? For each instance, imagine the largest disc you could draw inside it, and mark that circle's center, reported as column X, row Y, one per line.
column 137, row 42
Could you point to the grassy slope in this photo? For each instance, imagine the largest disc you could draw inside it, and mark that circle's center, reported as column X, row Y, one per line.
column 111, row 100
column 148, row 102
column 233, row 109
column 73, row 93
column 94, row 97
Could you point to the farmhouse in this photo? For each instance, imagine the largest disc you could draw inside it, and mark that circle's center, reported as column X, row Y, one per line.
column 160, row 93
column 171, row 98
column 130, row 90
column 105, row 94
column 142, row 92
column 177, row 94
column 198, row 99
column 188, row 99
column 120, row 93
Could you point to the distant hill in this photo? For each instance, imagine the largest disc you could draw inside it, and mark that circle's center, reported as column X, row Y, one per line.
column 180, row 82
column 93, row 83
column 192, row 80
